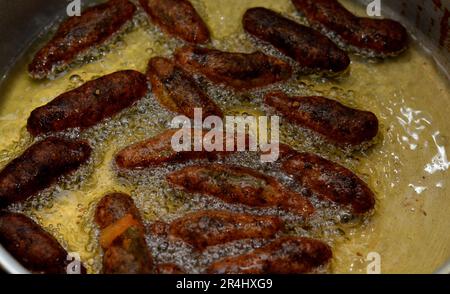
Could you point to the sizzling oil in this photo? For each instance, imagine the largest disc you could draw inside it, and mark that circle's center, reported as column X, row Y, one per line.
column 406, row 165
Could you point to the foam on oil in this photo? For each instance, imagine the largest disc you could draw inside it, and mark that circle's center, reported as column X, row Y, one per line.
column 405, row 165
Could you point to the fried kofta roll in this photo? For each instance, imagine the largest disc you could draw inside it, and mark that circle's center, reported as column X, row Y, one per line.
column 287, row 255
column 158, row 150
column 178, row 18
column 241, row 71
column 311, row 50
column 205, row 228
column 76, row 35
column 334, row 121
column 32, row 246
column 330, row 181
column 153, row 152
column 236, row 184
column 89, row 104
column 40, row 166
column 372, row 37
column 122, row 236
column 177, row 91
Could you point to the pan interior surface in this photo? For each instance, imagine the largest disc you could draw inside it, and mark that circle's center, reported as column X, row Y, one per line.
column 406, row 168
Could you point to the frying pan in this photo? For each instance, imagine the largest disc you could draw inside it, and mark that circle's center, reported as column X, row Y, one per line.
column 22, row 21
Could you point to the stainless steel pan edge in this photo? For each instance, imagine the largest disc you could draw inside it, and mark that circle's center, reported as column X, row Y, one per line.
column 22, row 21
column 427, row 21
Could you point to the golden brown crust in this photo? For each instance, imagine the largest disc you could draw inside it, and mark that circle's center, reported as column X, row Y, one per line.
column 178, row 18
column 158, row 151
column 235, row 184
column 288, row 255
column 89, row 104
column 79, row 33
column 39, row 167
column 128, row 253
column 330, row 181
column 177, row 91
column 309, row 48
column 336, row 122
column 206, row 228
column 152, row 152
column 32, row 246
column 377, row 37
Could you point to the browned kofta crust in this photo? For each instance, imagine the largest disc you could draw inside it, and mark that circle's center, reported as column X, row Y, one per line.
column 241, row 71
column 113, row 207
column 177, row 91
column 309, row 48
column 152, row 152
column 287, row 255
column 236, row 184
column 336, row 122
column 178, row 18
column 206, row 228
column 128, row 253
column 158, row 150
column 39, row 167
column 330, row 181
column 378, row 37
column 89, row 104
column 32, row 246
column 79, row 33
